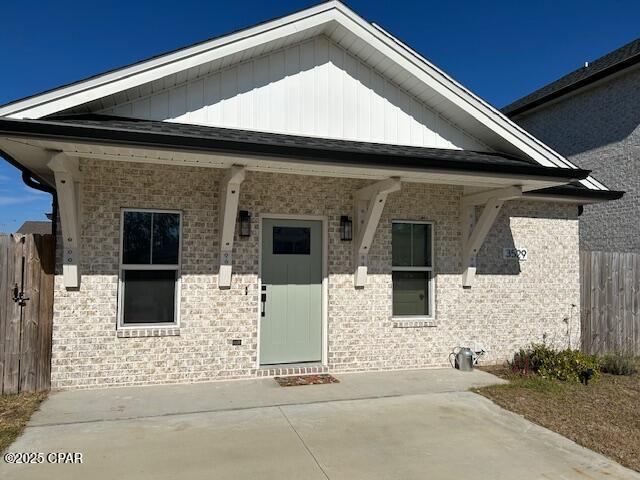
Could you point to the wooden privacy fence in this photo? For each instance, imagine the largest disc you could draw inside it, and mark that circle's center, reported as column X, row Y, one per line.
column 610, row 302
column 26, row 312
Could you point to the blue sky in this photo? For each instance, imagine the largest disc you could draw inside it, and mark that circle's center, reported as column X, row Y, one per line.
column 501, row 50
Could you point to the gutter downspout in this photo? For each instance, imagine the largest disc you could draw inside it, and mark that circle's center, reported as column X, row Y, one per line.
column 31, row 180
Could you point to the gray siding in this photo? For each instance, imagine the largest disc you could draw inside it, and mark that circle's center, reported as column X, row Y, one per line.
column 598, row 128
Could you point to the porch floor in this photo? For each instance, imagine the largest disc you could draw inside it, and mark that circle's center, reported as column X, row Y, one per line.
column 152, row 401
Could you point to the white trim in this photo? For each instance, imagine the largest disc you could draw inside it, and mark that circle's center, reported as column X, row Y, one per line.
column 400, row 318
column 325, row 277
column 480, row 198
column 368, row 206
column 429, row 269
column 494, row 115
column 477, row 233
column 67, row 179
column 474, row 233
column 313, row 17
column 150, row 267
column 285, row 166
column 227, row 213
column 146, row 71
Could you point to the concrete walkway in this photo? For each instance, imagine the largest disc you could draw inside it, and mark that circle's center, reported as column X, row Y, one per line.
column 395, row 425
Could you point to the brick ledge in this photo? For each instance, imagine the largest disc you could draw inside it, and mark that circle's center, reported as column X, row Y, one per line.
column 148, row 332
column 414, row 323
column 283, row 370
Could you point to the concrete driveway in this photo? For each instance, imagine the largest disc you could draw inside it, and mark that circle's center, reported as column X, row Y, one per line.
column 395, row 425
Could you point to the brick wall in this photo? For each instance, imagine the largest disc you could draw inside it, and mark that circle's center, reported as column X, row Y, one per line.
column 509, row 306
column 598, row 128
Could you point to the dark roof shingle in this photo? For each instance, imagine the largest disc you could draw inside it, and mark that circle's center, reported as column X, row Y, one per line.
column 127, row 131
column 612, row 62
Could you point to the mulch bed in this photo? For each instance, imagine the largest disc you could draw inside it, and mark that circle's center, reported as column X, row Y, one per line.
column 297, row 380
column 603, row 416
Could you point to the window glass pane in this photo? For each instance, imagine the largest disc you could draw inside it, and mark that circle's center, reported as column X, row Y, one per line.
column 411, row 293
column 421, row 245
column 291, row 241
column 136, row 243
column 149, row 296
column 166, row 238
column 401, row 244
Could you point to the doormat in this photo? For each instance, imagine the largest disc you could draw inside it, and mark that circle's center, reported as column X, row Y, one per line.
column 297, row 380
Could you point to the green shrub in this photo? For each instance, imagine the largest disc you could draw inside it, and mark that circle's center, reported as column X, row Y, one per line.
column 542, row 356
column 618, row 364
column 566, row 365
column 570, row 366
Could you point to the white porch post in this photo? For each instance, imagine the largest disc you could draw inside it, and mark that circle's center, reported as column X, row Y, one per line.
column 474, row 233
column 229, row 197
column 369, row 204
column 68, row 178
column 468, row 220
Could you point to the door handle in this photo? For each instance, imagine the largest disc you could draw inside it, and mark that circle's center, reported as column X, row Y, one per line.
column 263, row 300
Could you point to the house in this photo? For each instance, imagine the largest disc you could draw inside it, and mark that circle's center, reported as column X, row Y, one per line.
column 35, row 226
column 592, row 117
column 309, row 194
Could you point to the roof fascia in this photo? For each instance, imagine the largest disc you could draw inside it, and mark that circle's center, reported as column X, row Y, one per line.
column 576, row 195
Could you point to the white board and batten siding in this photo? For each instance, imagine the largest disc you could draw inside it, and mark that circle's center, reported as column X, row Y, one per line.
column 313, row 88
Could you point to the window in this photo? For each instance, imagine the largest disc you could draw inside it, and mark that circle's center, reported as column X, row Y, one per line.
column 149, row 268
column 412, row 269
column 291, row 241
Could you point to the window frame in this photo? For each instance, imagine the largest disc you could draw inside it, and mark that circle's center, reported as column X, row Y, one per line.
column 130, row 266
column 430, row 275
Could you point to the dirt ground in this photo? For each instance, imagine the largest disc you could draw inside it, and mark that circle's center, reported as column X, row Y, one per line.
column 603, row 416
column 15, row 411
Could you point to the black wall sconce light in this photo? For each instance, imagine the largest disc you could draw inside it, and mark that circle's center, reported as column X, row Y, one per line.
column 245, row 223
column 346, row 228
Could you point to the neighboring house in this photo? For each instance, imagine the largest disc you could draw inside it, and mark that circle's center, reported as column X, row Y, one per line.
column 308, row 194
column 592, row 116
column 36, row 227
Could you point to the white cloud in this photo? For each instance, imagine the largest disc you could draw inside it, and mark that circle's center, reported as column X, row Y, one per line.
column 15, row 200
column 33, row 191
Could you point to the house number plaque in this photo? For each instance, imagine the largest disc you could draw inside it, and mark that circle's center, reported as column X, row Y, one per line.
column 515, row 253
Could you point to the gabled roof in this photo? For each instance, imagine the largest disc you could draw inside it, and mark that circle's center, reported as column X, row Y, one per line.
column 613, row 62
column 367, row 41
